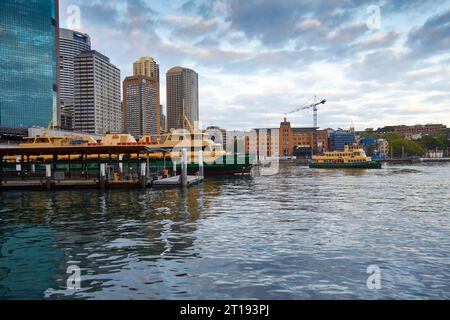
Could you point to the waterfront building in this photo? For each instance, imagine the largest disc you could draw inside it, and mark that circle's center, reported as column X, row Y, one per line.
column 28, row 63
column 410, row 131
column 264, row 142
column 97, row 94
column 369, row 144
column 383, row 147
column 182, row 97
column 340, row 138
column 140, row 106
column 141, row 99
column 300, row 141
column 288, row 141
column 71, row 44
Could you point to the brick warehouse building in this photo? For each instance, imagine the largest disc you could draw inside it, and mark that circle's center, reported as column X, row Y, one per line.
column 409, row 131
column 286, row 140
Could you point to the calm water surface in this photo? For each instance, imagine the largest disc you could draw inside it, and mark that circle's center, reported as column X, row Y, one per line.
column 303, row 234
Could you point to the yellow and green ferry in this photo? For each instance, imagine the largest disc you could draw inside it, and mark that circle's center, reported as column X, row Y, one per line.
column 353, row 157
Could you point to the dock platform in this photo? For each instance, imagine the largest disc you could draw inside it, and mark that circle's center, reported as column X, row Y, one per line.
column 175, row 181
column 37, row 185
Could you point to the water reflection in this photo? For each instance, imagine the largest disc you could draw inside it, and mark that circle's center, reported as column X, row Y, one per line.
column 300, row 234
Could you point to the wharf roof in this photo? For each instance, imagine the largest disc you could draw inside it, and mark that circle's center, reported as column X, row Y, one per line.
column 81, row 150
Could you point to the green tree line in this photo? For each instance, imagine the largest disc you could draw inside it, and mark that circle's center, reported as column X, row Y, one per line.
column 418, row 147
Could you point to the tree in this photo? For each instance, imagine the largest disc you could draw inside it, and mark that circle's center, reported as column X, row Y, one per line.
column 399, row 144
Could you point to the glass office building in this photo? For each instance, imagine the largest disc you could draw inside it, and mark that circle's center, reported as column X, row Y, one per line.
column 28, row 63
column 341, row 138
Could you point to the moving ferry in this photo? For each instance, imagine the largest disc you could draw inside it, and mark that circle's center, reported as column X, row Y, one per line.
column 353, row 157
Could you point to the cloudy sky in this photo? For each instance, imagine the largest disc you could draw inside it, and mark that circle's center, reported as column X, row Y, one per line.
column 258, row 59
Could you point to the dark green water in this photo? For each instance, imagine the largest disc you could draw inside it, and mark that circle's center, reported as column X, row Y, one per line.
column 302, row 234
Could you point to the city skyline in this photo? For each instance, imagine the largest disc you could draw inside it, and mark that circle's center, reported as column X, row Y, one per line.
column 395, row 75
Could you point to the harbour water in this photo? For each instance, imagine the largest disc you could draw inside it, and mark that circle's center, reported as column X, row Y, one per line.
column 301, row 234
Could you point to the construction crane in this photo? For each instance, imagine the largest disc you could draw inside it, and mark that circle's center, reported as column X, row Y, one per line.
column 313, row 106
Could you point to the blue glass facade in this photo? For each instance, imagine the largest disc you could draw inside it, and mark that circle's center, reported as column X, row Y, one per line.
column 28, row 63
column 367, row 142
column 339, row 139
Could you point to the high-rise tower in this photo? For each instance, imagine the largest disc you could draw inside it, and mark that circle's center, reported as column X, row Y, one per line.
column 141, row 99
column 182, row 97
column 97, row 94
column 28, row 63
column 71, row 44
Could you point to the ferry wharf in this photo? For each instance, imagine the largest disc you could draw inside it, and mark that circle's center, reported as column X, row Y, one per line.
column 88, row 167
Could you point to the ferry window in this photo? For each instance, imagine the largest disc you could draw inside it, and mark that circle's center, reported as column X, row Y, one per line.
column 160, row 139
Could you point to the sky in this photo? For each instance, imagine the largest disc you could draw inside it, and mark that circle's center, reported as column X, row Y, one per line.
column 377, row 63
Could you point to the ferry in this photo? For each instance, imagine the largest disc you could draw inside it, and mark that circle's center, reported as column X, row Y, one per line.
column 47, row 141
column 353, row 157
column 165, row 151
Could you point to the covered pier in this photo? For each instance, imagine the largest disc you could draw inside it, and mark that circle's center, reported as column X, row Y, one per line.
column 83, row 167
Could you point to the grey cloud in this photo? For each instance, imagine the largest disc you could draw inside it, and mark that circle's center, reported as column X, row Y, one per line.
column 275, row 60
column 195, row 29
column 377, row 42
column 433, row 37
column 383, row 65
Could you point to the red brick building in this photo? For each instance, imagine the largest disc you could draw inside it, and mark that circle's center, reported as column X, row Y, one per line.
column 409, row 131
column 285, row 140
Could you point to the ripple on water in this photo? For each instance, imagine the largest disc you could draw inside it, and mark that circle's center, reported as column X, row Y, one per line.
column 302, row 234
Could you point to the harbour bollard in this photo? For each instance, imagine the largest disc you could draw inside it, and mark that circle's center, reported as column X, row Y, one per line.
column 102, row 176
column 48, row 176
column 201, row 168
column 143, row 175
column 184, row 175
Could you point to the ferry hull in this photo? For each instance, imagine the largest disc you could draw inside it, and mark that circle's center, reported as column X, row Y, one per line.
column 225, row 170
column 359, row 165
column 214, row 169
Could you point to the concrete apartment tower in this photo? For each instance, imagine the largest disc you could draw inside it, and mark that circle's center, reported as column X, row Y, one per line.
column 141, row 99
column 97, row 94
column 182, row 97
column 71, row 44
